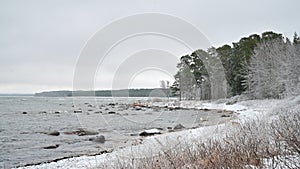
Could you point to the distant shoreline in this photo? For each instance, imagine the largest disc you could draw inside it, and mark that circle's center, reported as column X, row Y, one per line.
column 155, row 92
column 14, row 95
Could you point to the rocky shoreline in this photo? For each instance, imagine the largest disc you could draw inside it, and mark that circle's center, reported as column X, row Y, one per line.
column 133, row 109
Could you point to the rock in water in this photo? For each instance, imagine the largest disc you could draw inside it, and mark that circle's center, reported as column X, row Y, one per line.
column 51, row 147
column 178, row 127
column 150, row 132
column 83, row 132
column 77, row 111
column 224, row 115
column 53, row 133
column 98, row 139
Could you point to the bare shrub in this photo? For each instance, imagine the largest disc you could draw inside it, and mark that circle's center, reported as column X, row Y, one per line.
column 257, row 143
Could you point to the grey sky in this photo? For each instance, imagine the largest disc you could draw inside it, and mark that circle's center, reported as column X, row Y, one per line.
column 40, row 40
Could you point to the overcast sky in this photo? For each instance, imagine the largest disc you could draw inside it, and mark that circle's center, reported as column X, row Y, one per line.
column 40, row 41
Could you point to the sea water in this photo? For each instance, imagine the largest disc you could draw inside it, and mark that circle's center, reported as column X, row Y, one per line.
column 25, row 120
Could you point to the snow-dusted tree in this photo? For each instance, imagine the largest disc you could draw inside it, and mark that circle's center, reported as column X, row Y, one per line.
column 185, row 78
column 273, row 71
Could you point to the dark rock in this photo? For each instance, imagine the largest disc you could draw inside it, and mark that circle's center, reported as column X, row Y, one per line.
column 57, row 112
column 98, row 139
column 53, row 133
column 150, row 132
column 77, row 111
column 106, row 109
column 134, row 134
column 174, row 108
column 111, row 104
column 225, row 115
column 97, row 112
column 178, row 127
column 171, row 130
column 51, row 147
column 24, row 112
column 138, row 108
column 111, row 112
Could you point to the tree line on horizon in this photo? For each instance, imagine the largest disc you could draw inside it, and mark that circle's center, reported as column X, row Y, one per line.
column 153, row 92
column 261, row 66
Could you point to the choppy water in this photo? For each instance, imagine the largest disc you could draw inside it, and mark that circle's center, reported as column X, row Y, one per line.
column 22, row 136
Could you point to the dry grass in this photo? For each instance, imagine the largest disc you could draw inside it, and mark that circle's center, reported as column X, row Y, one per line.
column 248, row 145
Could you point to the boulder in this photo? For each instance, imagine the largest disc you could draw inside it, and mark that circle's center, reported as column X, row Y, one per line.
column 225, row 115
column 77, row 111
column 53, row 133
column 150, row 132
column 111, row 104
column 174, row 108
column 82, row 132
column 51, row 147
column 111, row 112
column 24, row 112
column 178, row 127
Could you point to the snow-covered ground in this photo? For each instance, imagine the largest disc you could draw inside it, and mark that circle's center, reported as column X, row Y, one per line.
column 153, row 145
